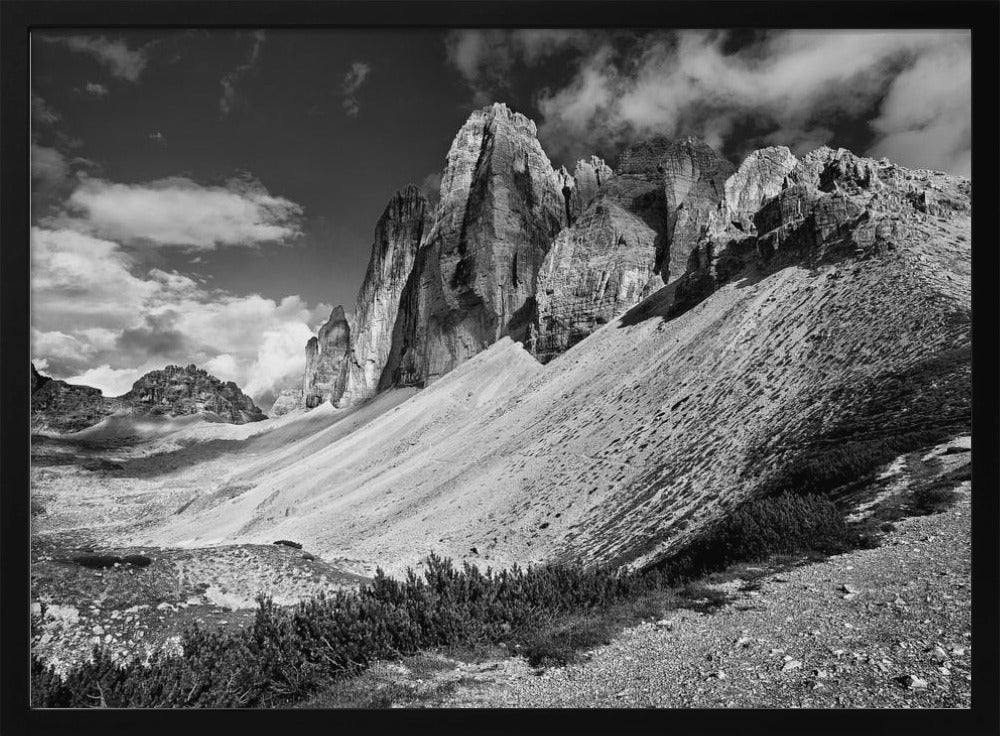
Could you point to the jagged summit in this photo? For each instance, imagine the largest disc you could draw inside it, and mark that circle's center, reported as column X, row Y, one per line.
column 515, row 248
column 172, row 391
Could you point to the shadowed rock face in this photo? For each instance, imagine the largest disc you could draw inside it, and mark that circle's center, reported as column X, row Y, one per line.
column 397, row 240
column 326, row 358
column 644, row 221
column 58, row 406
column 174, row 391
column 693, row 178
column 599, row 267
column 474, row 278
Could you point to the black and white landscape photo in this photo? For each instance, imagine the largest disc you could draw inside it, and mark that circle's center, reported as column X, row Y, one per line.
column 500, row 368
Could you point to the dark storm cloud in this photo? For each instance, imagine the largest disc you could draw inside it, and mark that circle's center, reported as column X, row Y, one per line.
column 156, row 338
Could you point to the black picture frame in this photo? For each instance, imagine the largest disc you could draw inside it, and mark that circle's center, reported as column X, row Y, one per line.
column 19, row 17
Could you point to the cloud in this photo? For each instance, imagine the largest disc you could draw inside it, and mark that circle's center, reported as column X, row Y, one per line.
column 228, row 99
column 485, row 58
column 101, row 318
column 95, row 89
column 925, row 118
column 41, row 113
column 431, row 187
column 178, row 212
column 353, row 80
column 123, row 62
column 791, row 87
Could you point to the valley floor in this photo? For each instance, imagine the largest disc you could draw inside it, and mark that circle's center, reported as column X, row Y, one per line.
column 842, row 633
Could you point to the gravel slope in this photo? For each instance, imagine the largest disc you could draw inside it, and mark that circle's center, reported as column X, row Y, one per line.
column 801, row 640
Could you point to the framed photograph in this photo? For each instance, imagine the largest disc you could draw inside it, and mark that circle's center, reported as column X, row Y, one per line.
column 579, row 363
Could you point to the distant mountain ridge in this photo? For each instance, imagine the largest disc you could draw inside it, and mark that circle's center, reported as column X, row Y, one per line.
column 59, row 406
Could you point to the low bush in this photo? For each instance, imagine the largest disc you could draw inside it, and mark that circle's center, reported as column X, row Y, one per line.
column 97, row 562
column 777, row 525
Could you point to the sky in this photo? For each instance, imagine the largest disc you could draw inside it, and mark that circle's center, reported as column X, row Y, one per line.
column 208, row 197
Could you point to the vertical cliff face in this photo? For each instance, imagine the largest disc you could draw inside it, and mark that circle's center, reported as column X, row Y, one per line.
column 599, row 267
column 644, row 221
column 474, row 279
column 397, row 240
column 326, row 358
column 693, row 178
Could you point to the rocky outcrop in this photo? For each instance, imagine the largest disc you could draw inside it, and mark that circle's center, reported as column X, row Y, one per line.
column 825, row 207
column 289, row 399
column 762, row 175
column 177, row 391
column 693, row 177
column 643, row 222
column 397, row 239
column 599, row 267
column 326, row 361
column 58, row 406
column 474, row 279
column 580, row 188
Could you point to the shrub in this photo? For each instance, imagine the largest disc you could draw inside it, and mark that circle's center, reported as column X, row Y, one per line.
column 784, row 524
column 97, row 562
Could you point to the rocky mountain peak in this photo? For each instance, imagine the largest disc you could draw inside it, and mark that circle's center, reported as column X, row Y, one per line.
column 326, row 355
column 179, row 390
column 171, row 391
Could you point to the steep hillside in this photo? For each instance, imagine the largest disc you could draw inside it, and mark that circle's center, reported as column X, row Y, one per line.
column 831, row 337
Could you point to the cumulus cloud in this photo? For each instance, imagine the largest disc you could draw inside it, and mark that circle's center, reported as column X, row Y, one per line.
column 925, row 118
column 787, row 87
column 101, row 318
column 123, row 62
column 179, row 212
column 95, row 89
column 229, row 82
column 353, row 80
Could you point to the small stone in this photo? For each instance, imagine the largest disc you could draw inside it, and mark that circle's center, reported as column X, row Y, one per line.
column 958, row 651
column 850, row 596
column 793, row 664
column 848, row 588
column 743, row 641
column 913, row 682
column 97, row 630
column 939, row 654
column 665, row 623
column 775, row 652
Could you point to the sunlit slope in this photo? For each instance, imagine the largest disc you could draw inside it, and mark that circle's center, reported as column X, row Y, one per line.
column 626, row 445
